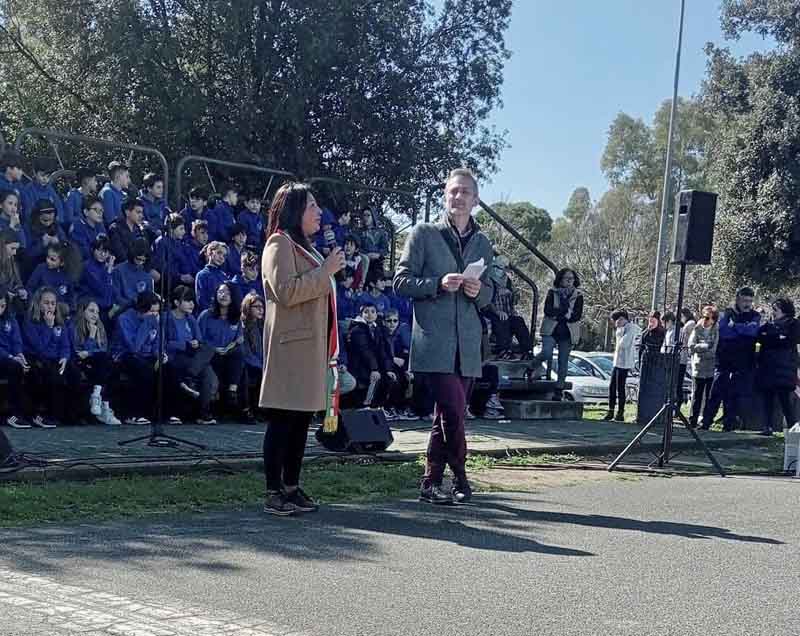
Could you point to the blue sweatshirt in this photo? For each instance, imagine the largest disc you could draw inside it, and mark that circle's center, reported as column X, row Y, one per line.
column 84, row 235
column 90, row 344
column 216, row 331
column 11, row 186
column 22, row 236
column 155, row 211
column 129, row 281
column 136, row 334
column 242, row 287
column 73, row 208
column 181, row 332
column 33, row 192
column 380, row 301
column 46, row 343
column 193, row 256
column 254, row 226
column 206, row 283
column 36, row 250
column 189, row 217
column 254, row 357
column 346, row 303
column 403, row 306
column 737, row 338
column 223, row 219
column 113, row 199
column 233, row 261
column 96, row 283
column 180, row 260
column 55, row 278
column 10, row 337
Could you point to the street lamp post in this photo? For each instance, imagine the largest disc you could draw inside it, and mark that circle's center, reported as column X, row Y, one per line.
column 666, row 195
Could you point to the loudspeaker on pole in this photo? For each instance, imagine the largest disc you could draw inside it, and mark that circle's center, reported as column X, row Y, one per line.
column 695, row 213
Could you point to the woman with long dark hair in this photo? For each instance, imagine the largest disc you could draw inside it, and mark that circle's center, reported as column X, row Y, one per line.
column 300, row 342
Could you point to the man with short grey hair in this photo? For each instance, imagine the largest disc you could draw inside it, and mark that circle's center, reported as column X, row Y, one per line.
column 447, row 328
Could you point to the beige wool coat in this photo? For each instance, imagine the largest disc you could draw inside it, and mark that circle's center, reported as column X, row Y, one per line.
column 295, row 329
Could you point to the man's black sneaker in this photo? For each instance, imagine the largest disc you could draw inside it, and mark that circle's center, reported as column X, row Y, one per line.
column 276, row 504
column 619, row 417
column 435, row 495
column 301, row 501
column 462, row 492
column 609, row 416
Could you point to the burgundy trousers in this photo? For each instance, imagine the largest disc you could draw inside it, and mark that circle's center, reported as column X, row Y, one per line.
column 447, row 445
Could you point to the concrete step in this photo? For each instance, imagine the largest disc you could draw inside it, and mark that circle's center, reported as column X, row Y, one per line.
column 542, row 410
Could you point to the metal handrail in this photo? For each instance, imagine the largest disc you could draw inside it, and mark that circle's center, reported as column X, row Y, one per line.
column 249, row 167
column 534, row 301
column 50, row 135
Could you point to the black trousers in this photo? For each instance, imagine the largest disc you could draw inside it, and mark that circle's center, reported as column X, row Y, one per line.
column 616, row 390
column 98, row 368
column 229, row 368
column 484, row 388
column 284, row 447
column 505, row 330
column 196, row 367
column 785, row 400
column 700, row 394
column 52, row 391
column 13, row 373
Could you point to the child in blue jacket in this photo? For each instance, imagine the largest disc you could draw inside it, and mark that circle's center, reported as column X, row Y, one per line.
column 222, row 218
column 48, row 350
column 252, row 220
column 170, row 255
column 88, row 225
column 96, row 282
column 40, row 189
column 130, row 279
column 51, row 274
column 252, row 347
column 75, row 203
column 221, row 327
column 249, row 281
column 236, row 247
column 13, row 364
column 212, row 275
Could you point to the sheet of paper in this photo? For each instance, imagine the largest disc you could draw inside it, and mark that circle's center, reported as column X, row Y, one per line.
column 475, row 270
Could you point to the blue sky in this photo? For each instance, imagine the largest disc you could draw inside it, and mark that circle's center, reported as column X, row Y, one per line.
column 575, row 65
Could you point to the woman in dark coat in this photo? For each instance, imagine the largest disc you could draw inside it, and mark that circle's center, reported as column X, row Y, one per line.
column 777, row 361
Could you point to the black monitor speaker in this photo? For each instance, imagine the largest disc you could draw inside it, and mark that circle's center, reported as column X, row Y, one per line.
column 695, row 212
column 360, row 431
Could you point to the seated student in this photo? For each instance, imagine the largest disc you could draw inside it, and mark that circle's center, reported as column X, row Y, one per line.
column 236, row 246
column 375, row 295
column 125, row 230
column 51, row 274
column 130, row 279
column 135, row 346
column 399, row 335
column 90, row 344
column 212, row 275
column 370, row 357
column 88, row 225
column 249, row 281
column 252, row 220
column 113, row 193
column 9, row 272
column 11, row 173
column 9, row 216
column 189, row 354
column 171, row 257
column 196, row 209
column 76, row 201
column 13, row 364
column 221, row 327
column 47, row 348
column 353, row 260
column 38, row 189
column 96, row 280
column 222, row 217
column 43, row 232
column 252, row 345
column 155, row 208
column 194, row 245
column 508, row 324
column 346, row 299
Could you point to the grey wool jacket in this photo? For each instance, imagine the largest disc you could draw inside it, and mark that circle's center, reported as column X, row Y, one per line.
column 447, row 329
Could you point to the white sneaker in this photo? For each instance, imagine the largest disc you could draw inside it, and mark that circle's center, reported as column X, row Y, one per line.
column 494, row 403
column 470, row 415
column 107, row 416
column 95, row 405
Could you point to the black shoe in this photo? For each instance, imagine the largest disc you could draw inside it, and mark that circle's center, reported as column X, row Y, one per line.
column 434, row 494
column 301, row 501
column 619, row 417
column 609, row 416
column 276, row 504
column 461, row 490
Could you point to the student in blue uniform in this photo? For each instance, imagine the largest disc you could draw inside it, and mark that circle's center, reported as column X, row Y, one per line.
column 222, row 217
column 96, row 281
column 346, row 299
column 90, row 345
column 189, row 354
column 13, row 364
column 170, row 254
column 47, row 348
column 252, row 346
column 113, row 193
column 130, row 278
column 88, row 225
column 252, row 220
column 43, row 232
column 375, row 296
column 9, row 273
column 195, row 244
column 212, row 275
column 11, row 173
column 249, row 281
column 221, row 327
column 75, row 203
column 51, row 274
column 152, row 198
column 126, row 229
column 9, row 216
column 236, row 247
column 40, row 189
column 196, row 209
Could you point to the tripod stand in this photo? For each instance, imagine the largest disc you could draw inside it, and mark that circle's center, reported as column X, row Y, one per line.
column 671, row 407
column 157, row 438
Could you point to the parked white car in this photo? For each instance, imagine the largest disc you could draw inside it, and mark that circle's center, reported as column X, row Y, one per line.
column 586, row 387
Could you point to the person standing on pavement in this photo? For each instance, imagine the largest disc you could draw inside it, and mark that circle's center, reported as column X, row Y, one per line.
column 447, row 329
column 624, row 361
column 736, row 358
column 301, row 341
column 702, row 346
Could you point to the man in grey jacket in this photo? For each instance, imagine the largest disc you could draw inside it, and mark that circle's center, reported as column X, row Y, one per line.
column 446, row 334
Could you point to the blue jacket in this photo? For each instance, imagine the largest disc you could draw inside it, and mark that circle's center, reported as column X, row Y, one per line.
column 55, row 278
column 737, row 338
column 11, row 186
column 96, row 283
column 180, row 260
column 22, row 235
column 36, row 251
column 216, row 331
column 180, row 332
column 193, row 257
column 381, row 301
column 135, row 335
column 401, row 341
column 129, row 281
column 73, row 208
column 155, row 211
column 223, row 219
column 33, row 192
column 403, row 306
column 346, row 303
column 189, row 217
column 112, row 203
column 84, row 235
column 10, row 337
column 243, row 287
column 90, row 344
column 254, row 225
column 233, row 261
column 206, row 283
column 45, row 342
column 254, row 357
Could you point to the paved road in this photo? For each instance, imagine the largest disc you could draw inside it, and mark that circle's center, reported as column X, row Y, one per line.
column 657, row 556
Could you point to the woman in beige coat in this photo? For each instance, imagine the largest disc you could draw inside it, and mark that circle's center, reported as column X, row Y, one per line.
column 297, row 341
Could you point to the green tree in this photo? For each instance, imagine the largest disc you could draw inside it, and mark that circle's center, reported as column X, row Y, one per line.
column 532, row 222
column 580, row 202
